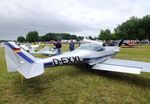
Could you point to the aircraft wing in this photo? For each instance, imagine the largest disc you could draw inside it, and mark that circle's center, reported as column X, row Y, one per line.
column 124, row 66
column 46, row 48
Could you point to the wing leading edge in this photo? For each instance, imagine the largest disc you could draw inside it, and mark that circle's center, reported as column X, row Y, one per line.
column 124, row 66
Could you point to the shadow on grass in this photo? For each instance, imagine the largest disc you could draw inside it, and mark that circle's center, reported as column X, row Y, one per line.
column 29, row 88
column 138, row 80
column 37, row 86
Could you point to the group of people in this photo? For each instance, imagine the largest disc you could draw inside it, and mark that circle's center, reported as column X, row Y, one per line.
column 58, row 46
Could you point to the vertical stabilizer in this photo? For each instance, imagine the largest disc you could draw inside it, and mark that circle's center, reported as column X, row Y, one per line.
column 19, row 60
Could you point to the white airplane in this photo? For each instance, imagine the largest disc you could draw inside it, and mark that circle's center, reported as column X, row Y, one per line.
column 45, row 51
column 99, row 57
column 28, row 46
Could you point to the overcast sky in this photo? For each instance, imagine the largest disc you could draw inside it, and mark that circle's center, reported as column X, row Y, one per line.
column 81, row 17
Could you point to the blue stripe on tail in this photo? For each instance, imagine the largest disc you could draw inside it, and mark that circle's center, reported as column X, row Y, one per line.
column 29, row 60
column 10, row 46
column 25, row 57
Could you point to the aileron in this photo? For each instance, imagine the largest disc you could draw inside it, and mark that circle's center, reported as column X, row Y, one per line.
column 125, row 66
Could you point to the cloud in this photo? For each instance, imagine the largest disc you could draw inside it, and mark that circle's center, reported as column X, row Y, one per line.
column 85, row 17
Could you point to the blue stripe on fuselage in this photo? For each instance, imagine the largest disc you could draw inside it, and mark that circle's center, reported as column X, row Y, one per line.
column 20, row 53
column 48, row 64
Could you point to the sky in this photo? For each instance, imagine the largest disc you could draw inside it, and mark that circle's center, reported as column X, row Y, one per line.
column 80, row 17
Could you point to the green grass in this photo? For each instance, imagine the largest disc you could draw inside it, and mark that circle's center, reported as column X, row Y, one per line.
column 72, row 84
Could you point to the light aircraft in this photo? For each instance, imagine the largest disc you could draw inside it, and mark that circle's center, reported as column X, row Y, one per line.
column 45, row 51
column 93, row 53
column 28, row 46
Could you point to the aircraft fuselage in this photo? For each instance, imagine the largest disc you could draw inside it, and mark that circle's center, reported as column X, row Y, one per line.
column 79, row 56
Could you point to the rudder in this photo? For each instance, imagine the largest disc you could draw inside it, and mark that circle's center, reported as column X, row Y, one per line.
column 18, row 59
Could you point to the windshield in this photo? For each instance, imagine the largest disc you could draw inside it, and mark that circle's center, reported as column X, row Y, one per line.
column 90, row 46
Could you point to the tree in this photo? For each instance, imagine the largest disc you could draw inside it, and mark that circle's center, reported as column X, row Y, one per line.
column 145, row 26
column 134, row 28
column 105, row 35
column 50, row 36
column 32, row 36
column 73, row 37
column 128, row 29
column 113, row 36
column 65, row 36
column 21, row 39
column 80, row 38
column 57, row 36
column 91, row 38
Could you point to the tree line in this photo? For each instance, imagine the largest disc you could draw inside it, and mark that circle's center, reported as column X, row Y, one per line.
column 33, row 36
column 132, row 29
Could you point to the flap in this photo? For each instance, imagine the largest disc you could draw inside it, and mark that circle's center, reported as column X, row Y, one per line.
column 117, row 68
column 125, row 66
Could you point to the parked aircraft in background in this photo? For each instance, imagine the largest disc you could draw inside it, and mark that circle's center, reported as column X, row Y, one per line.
column 129, row 43
column 44, row 51
column 28, row 46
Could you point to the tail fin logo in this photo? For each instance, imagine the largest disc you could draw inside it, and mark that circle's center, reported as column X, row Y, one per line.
column 19, row 52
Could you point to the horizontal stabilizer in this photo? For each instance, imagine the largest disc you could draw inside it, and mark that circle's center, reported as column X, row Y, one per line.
column 30, row 70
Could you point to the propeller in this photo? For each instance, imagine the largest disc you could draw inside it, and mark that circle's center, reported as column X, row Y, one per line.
column 121, row 42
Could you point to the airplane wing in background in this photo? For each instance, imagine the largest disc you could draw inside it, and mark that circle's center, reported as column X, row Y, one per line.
column 124, row 66
column 46, row 48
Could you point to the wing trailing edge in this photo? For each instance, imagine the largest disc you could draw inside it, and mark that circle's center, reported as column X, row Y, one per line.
column 124, row 66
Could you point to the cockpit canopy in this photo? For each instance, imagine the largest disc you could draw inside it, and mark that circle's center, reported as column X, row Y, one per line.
column 91, row 46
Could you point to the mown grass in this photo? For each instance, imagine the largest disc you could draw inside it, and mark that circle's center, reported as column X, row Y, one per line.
column 73, row 84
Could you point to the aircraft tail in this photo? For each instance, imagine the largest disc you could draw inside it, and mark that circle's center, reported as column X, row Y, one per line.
column 19, row 60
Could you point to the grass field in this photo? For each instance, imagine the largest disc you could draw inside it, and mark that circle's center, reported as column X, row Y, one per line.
column 77, row 84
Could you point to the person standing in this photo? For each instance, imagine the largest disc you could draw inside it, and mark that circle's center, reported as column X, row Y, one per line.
column 71, row 45
column 58, row 46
